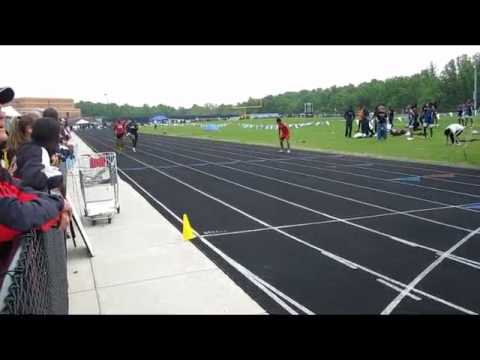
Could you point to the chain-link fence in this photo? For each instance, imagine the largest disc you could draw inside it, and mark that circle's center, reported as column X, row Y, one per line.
column 36, row 279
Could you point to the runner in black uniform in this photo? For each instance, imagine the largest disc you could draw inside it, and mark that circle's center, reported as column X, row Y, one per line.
column 132, row 129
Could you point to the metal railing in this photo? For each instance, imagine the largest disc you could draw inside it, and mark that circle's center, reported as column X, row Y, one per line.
column 36, row 279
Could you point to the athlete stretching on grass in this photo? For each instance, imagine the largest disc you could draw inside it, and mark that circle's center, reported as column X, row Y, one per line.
column 453, row 131
column 284, row 134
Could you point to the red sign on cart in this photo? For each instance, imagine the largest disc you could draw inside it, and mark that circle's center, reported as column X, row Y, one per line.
column 98, row 162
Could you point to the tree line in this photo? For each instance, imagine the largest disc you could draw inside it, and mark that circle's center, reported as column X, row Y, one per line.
column 449, row 87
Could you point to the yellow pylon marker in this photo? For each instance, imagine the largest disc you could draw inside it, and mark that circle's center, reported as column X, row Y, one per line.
column 187, row 229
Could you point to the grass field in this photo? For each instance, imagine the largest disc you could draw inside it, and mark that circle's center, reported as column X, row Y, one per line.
column 331, row 138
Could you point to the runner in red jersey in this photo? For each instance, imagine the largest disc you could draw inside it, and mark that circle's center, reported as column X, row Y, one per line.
column 284, row 134
column 119, row 130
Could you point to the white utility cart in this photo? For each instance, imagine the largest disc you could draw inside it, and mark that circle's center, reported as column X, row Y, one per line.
column 99, row 185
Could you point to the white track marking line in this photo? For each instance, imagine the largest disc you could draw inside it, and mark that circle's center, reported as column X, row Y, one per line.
column 349, row 199
column 324, row 252
column 356, row 185
column 324, row 156
column 427, row 177
column 429, row 169
column 257, row 281
column 352, row 165
column 414, row 297
column 208, row 235
column 467, row 262
column 403, row 183
column 367, row 187
column 373, row 167
column 390, row 307
column 380, row 162
column 317, row 190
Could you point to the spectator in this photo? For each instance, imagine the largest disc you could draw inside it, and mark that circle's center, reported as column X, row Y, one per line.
column 51, row 113
column 468, row 113
column 365, row 122
column 391, row 116
column 381, row 119
column 427, row 116
column 460, row 114
column 34, row 158
column 412, row 120
column 21, row 134
column 349, row 116
column 3, row 142
column 6, row 95
column 435, row 113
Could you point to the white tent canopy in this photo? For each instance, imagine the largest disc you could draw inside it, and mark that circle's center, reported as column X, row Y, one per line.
column 82, row 122
column 10, row 111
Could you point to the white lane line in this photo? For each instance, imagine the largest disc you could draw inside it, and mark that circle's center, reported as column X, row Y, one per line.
column 427, row 177
column 324, row 156
column 414, row 297
column 403, row 183
column 324, row 252
column 390, row 307
column 373, row 167
column 328, row 193
column 347, row 198
column 363, row 186
column 429, row 169
column 324, row 192
column 392, row 237
column 350, row 165
column 356, row 185
column 161, row 140
column 216, row 234
column 257, row 281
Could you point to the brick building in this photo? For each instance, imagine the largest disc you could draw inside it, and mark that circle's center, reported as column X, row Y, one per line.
column 65, row 107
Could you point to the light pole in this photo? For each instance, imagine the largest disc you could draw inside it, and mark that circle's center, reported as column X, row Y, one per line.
column 475, row 89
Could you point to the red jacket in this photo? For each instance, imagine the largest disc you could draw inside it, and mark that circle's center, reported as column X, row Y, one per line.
column 283, row 130
column 22, row 210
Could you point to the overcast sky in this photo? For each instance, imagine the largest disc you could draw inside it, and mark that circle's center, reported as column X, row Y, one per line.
column 187, row 75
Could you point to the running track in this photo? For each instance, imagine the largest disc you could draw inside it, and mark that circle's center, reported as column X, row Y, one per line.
column 318, row 233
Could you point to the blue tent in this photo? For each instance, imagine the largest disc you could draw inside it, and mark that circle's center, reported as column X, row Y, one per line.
column 159, row 119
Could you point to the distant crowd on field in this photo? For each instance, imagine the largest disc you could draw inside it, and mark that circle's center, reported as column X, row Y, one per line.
column 381, row 121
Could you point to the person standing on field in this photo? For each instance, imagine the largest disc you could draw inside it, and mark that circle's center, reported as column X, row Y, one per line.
column 284, row 134
column 349, row 116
